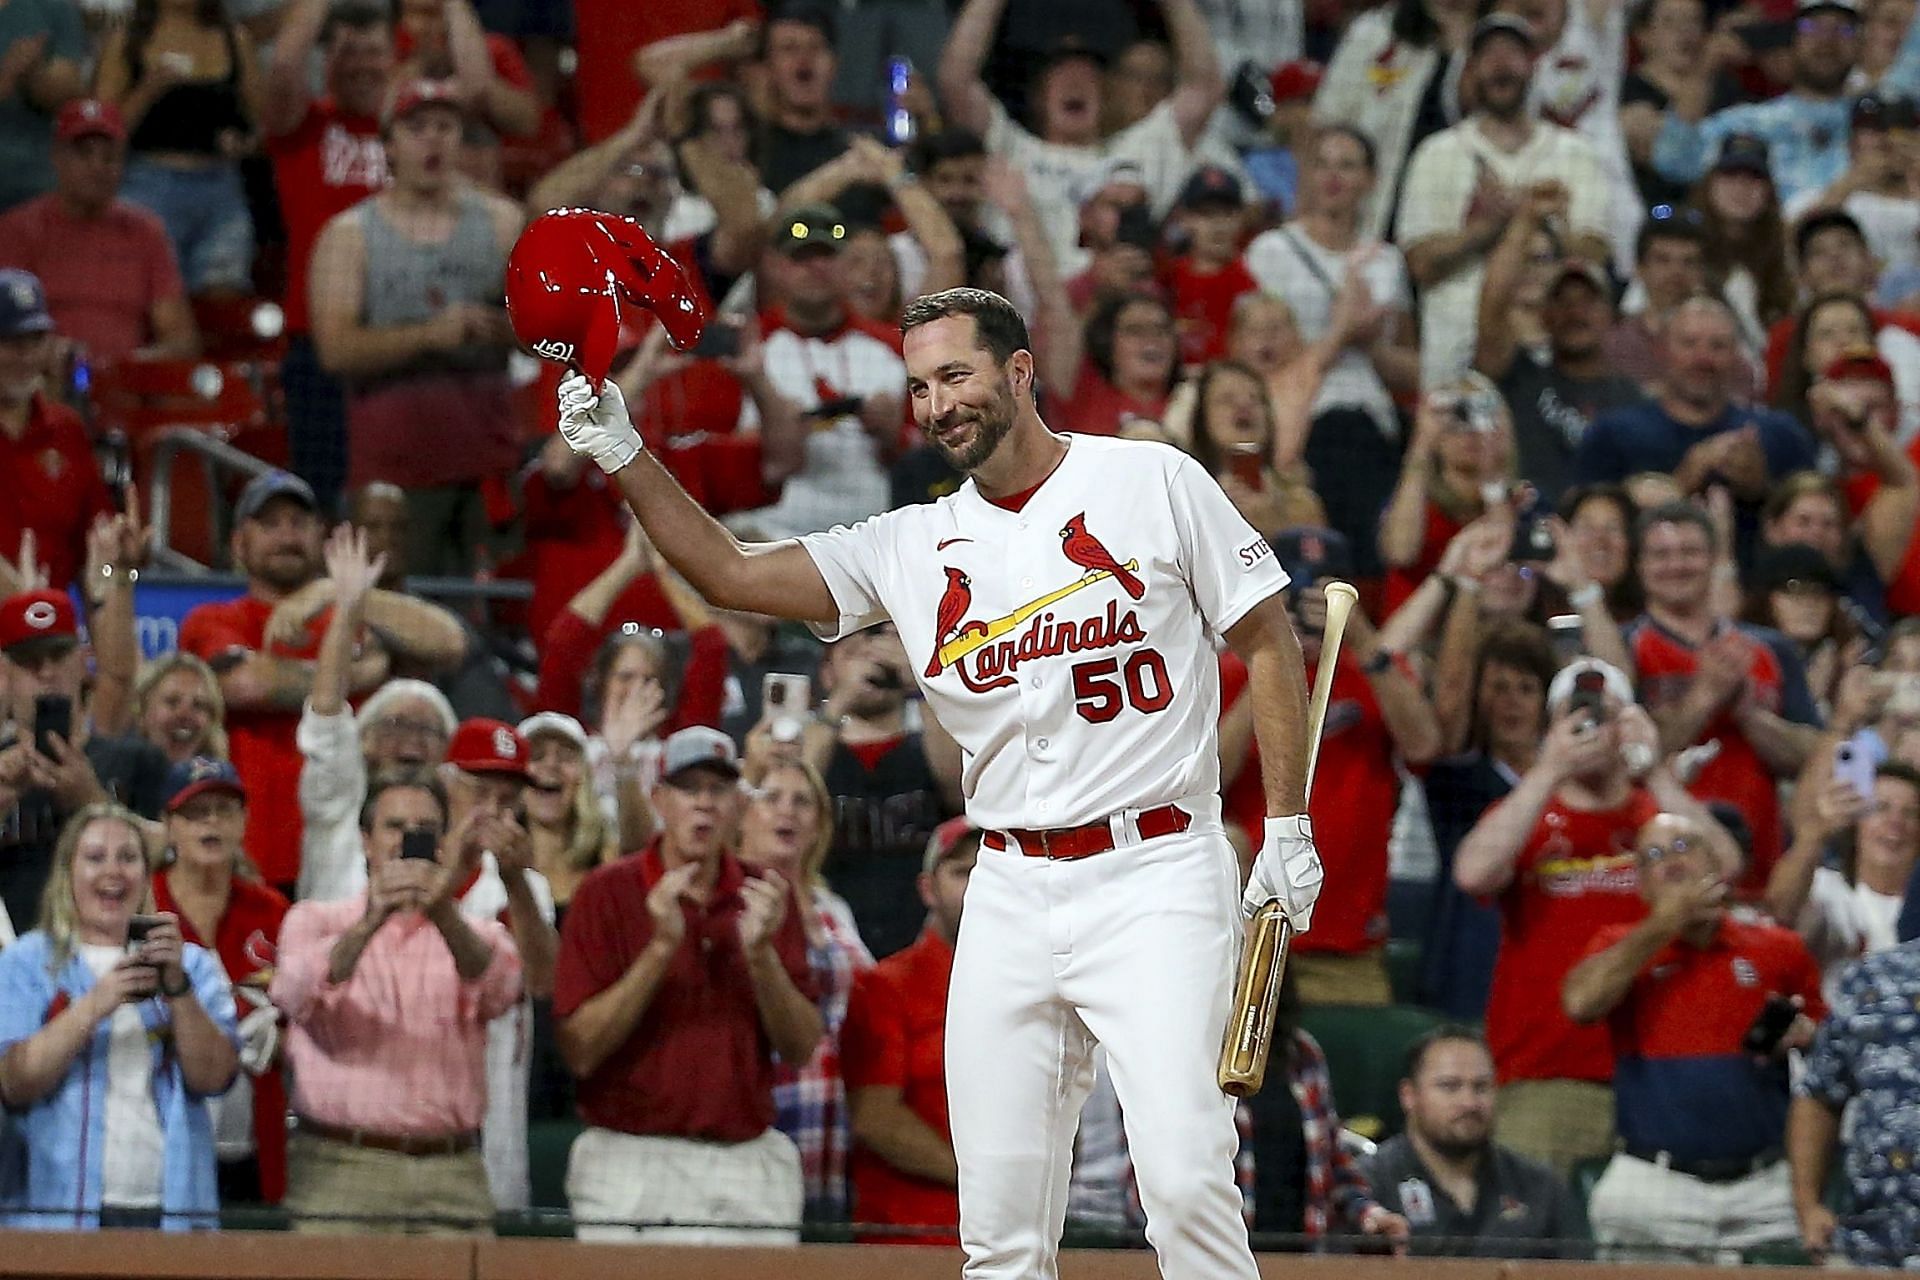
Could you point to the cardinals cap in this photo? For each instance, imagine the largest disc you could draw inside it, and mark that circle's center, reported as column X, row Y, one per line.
column 38, row 625
column 264, row 488
column 1309, row 553
column 554, row 724
column 415, row 94
column 698, row 747
column 23, row 304
column 811, row 226
column 1744, row 153
column 949, row 839
column 1212, row 187
column 1859, row 364
column 198, row 776
column 488, row 746
column 89, row 118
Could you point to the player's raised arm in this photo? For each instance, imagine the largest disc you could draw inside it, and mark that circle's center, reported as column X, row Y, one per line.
column 776, row 578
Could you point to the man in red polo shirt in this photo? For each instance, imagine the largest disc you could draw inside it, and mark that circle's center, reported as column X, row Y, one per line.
column 1708, row 678
column 681, row 974
column 111, row 279
column 1690, row 995
column 1557, row 855
column 893, row 1056
column 276, row 543
column 52, row 485
column 1375, row 714
column 327, row 157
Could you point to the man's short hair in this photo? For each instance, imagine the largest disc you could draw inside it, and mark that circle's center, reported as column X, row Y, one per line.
column 997, row 323
column 1681, row 513
column 947, row 144
column 1670, row 222
column 408, row 779
column 1445, row 1033
column 357, row 15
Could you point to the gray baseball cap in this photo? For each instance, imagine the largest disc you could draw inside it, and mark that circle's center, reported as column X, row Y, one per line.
column 695, row 747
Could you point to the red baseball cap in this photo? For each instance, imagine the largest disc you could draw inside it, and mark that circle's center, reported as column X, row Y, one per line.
column 946, row 841
column 415, row 94
column 36, row 623
column 89, row 118
column 1294, row 80
column 488, row 746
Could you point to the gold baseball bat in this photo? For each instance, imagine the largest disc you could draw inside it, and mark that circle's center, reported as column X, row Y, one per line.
column 1256, row 993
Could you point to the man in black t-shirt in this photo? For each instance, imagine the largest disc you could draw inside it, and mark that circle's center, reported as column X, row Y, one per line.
column 891, row 787
column 1552, row 402
column 41, row 662
column 799, row 134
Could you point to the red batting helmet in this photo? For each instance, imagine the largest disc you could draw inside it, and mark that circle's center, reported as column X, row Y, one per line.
column 572, row 273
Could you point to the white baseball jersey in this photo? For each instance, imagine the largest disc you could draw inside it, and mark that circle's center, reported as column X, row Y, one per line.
column 1068, row 645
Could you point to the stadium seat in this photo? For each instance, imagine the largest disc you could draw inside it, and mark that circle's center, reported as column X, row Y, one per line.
column 1404, row 958
column 548, row 1143
column 1366, row 1048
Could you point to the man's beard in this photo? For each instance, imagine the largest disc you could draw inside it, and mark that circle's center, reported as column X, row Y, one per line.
column 1504, row 100
column 277, row 571
column 1822, row 80
column 991, row 425
column 1454, row 1147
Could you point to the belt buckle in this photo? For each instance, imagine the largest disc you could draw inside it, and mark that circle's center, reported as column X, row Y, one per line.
column 1046, row 846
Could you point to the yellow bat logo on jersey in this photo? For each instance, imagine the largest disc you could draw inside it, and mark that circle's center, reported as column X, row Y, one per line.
column 977, row 635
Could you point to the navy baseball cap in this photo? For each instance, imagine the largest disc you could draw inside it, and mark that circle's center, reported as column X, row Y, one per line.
column 1212, row 187
column 1309, row 553
column 263, row 489
column 198, row 776
column 1744, row 153
column 1502, row 24
column 23, row 304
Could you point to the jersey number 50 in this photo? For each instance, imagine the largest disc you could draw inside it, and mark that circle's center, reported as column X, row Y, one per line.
column 1102, row 688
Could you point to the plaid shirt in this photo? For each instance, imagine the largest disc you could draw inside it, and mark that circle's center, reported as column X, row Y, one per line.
column 810, row 1102
column 1336, row 1188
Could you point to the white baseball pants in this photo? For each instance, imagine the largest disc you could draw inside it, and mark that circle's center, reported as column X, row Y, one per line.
column 1134, row 949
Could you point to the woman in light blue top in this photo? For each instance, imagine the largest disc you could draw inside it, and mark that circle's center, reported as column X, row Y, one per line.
column 112, row 1039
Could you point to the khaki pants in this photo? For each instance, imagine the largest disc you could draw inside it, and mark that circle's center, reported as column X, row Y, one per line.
column 1646, row 1212
column 1557, row 1122
column 679, row 1191
column 337, row 1189
column 1327, row 978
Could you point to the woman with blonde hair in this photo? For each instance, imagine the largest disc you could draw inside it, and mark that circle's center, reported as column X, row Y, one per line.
column 1458, row 466
column 113, row 1040
column 178, row 708
column 788, row 827
column 569, row 827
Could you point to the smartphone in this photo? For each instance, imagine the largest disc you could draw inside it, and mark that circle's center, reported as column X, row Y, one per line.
column 788, row 700
column 52, row 716
column 828, row 410
column 1569, row 636
column 137, row 930
column 1770, row 1027
column 1247, row 466
column 420, row 843
column 1855, row 766
column 1589, row 695
column 718, row 341
column 1532, row 542
column 900, row 128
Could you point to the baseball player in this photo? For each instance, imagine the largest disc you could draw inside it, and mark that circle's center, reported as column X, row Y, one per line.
column 1061, row 612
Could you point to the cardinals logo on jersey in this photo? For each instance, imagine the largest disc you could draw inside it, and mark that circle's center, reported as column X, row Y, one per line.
column 956, row 639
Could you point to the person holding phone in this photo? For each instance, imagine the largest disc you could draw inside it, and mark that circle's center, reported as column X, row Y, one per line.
column 52, row 764
column 1702, row 1009
column 388, row 997
column 114, row 1035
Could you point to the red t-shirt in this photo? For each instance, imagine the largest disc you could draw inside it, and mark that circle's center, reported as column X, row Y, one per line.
column 1355, row 795
column 502, row 52
column 52, row 486
column 103, row 276
column 1098, row 408
column 610, row 32
column 1903, row 592
column 1575, row 875
column 1203, row 305
column 1403, row 582
column 1664, row 665
column 246, row 942
column 260, row 740
column 325, row 165
column 698, row 1064
column 895, row 1036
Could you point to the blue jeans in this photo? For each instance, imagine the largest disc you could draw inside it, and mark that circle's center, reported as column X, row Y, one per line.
column 205, row 213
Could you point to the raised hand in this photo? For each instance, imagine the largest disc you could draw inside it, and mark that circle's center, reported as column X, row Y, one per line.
column 664, row 903
column 349, row 567
column 596, row 424
column 765, row 896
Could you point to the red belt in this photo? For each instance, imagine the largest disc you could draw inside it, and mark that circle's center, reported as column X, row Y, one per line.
column 1066, row 843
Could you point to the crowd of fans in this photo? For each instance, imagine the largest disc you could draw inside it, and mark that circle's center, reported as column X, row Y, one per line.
column 1584, row 337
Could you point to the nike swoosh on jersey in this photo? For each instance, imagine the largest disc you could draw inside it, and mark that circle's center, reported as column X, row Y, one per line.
column 944, row 543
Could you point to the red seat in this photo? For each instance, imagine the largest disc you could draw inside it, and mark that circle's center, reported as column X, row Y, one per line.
column 228, row 329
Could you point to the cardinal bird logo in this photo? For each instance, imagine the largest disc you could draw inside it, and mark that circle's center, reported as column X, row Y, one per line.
column 1086, row 551
column 953, row 607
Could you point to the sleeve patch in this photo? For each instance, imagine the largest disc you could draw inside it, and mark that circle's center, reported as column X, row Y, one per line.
column 1253, row 553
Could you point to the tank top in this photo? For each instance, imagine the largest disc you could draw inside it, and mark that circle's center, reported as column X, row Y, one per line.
column 408, row 282
column 190, row 117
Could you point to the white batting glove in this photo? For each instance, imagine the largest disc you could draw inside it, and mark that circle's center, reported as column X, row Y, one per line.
column 597, row 426
column 1287, row 868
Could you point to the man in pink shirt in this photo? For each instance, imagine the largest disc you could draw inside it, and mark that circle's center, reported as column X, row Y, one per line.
column 112, row 283
column 387, row 997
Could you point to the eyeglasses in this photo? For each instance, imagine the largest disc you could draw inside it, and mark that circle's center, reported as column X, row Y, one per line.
column 1657, row 853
